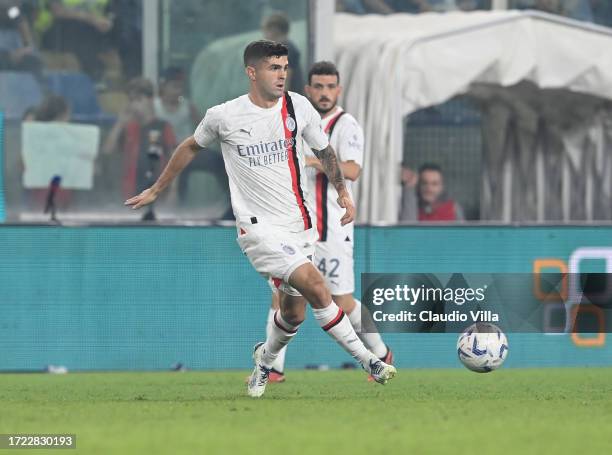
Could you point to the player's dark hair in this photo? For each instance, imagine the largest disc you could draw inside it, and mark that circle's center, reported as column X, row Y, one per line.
column 430, row 167
column 262, row 49
column 323, row 69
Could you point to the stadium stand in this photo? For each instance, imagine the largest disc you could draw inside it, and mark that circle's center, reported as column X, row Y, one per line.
column 18, row 92
column 80, row 92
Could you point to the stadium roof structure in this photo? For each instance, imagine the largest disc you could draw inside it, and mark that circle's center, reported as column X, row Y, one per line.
column 394, row 65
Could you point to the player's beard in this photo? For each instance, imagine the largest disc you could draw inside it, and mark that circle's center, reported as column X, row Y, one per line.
column 322, row 111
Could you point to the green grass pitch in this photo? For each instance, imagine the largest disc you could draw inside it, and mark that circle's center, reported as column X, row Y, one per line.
column 561, row 411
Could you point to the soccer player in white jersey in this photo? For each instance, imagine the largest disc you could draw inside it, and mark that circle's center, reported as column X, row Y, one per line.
column 262, row 137
column 334, row 250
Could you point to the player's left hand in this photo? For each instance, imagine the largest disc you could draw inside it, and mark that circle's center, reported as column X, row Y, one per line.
column 313, row 161
column 344, row 200
column 145, row 198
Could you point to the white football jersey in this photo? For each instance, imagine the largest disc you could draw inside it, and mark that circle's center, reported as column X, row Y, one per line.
column 346, row 138
column 263, row 151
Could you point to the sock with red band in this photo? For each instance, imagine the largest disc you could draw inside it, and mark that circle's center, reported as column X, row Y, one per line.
column 333, row 320
column 279, row 363
column 280, row 333
column 373, row 341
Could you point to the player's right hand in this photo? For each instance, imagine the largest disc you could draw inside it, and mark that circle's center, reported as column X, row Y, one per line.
column 145, row 198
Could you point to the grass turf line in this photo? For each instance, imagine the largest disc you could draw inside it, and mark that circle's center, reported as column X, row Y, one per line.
column 421, row 411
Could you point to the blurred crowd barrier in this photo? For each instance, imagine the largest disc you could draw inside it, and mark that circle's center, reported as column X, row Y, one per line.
column 68, row 109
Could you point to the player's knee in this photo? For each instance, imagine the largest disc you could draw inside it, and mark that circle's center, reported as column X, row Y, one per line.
column 293, row 317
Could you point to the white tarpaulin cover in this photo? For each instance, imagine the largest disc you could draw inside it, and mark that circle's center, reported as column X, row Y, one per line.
column 394, row 65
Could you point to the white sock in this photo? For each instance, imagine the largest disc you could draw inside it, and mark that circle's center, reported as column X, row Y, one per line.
column 373, row 341
column 280, row 334
column 279, row 363
column 333, row 321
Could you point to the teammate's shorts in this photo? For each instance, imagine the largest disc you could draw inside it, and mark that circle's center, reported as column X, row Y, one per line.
column 334, row 259
column 276, row 253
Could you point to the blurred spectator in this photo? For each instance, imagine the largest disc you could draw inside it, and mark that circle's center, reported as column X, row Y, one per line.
column 434, row 205
column 80, row 27
column 275, row 27
column 17, row 52
column 424, row 197
column 53, row 108
column 172, row 106
column 127, row 34
column 145, row 140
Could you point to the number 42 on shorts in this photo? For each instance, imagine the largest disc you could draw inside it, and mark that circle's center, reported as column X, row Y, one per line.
column 330, row 265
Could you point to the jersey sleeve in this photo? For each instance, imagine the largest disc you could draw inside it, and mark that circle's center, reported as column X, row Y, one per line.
column 350, row 141
column 208, row 129
column 312, row 131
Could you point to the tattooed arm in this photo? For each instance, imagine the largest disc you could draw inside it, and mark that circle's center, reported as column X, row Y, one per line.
column 329, row 163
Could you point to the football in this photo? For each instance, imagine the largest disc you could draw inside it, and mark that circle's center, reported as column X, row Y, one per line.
column 482, row 347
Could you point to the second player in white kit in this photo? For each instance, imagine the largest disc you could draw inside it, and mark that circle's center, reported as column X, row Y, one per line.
column 334, row 251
